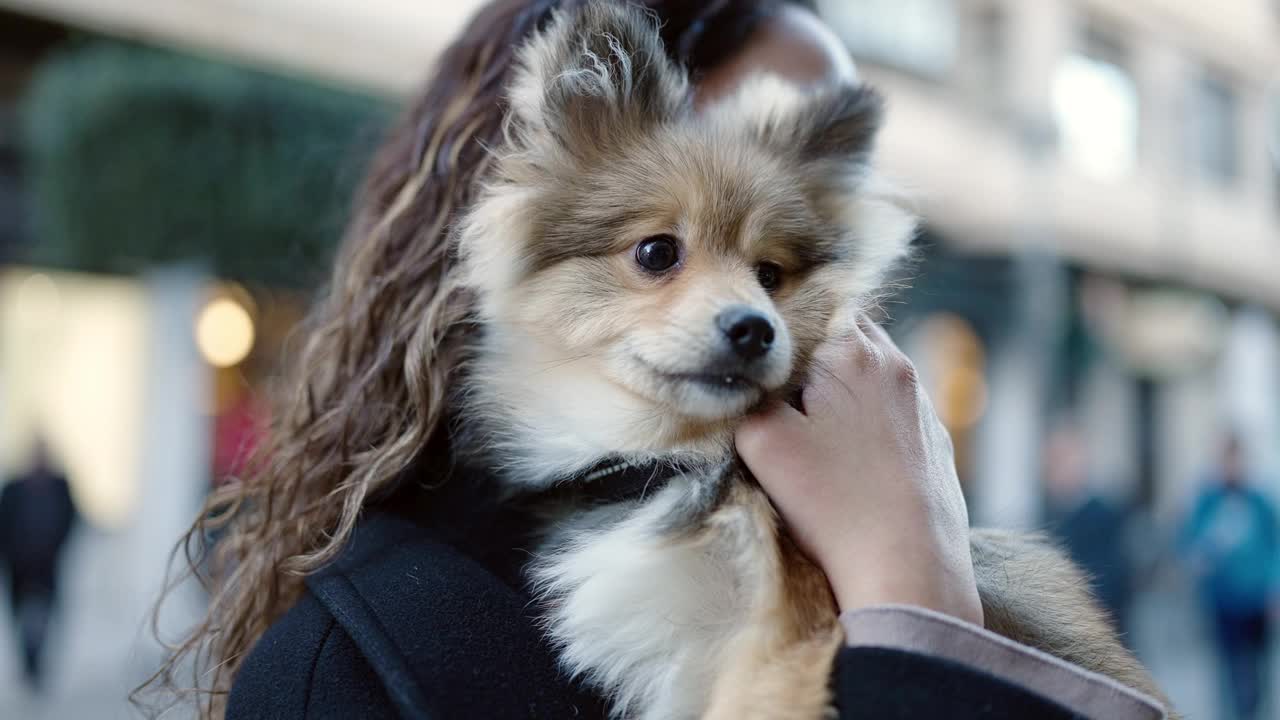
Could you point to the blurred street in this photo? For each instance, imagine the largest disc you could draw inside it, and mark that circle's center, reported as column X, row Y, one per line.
column 90, row 680
column 94, row 658
column 1170, row 638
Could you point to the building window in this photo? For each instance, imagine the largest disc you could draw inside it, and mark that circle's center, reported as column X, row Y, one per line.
column 1096, row 108
column 1214, row 135
column 914, row 35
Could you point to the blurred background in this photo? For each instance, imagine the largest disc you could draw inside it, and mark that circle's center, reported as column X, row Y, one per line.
column 1096, row 310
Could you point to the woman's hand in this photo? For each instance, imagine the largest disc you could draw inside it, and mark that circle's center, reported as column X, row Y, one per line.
column 865, row 479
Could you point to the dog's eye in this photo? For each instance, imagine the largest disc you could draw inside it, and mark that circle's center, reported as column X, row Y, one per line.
column 658, row 253
column 770, row 275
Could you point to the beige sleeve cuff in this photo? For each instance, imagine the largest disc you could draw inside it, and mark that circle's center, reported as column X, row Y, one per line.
column 902, row 627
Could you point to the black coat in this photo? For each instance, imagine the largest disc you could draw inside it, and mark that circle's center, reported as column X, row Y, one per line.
column 404, row 624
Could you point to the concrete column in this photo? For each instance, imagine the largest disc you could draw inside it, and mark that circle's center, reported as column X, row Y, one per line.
column 1161, row 74
column 1190, row 417
column 1108, row 423
column 176, row 450
column 1255, row 137
column 1007, row 489
column 1249, row 383
column 1040, row 33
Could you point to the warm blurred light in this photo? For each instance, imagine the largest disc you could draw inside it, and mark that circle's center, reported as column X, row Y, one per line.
column 72, row 371
column 224, row 332
column 1095, row 105
column 956, row 370
column 38, row 300
column 957, row 337
column 963, row 397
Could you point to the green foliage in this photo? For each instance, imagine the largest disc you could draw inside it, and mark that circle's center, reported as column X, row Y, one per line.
column 137, row 156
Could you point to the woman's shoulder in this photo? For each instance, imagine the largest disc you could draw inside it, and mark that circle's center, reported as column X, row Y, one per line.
column 409, row 624
column 306, row 666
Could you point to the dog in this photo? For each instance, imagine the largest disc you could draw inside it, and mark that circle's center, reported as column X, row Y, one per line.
column 645, row 275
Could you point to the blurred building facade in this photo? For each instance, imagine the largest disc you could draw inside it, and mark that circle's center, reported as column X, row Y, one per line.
column 1099, row 180
column 1099, row 183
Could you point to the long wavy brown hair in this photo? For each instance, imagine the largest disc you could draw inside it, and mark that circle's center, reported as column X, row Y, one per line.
column 369, row 388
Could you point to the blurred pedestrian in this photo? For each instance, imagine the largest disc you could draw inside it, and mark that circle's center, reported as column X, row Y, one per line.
column 1232, row 542
column 36, row 517
column 1092, row 528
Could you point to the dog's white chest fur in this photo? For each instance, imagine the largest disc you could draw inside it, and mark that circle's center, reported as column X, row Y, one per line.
column 644, row 616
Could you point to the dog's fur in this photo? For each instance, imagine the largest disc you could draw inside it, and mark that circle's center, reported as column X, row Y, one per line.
column 688, row 602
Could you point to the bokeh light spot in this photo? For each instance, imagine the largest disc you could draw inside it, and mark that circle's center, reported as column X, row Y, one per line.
column 224, row 332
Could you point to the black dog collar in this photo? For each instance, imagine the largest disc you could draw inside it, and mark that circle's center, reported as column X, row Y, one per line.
column 615, row 480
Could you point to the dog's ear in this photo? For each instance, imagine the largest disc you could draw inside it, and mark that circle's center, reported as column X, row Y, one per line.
column 834, row 125
column 593, row 76
column 837, row 132
column 838, row 129
column 840, row 125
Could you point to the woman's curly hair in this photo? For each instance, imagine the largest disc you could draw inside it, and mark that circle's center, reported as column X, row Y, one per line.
column 368, row 391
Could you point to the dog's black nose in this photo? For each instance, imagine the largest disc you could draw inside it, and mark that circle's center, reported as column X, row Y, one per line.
column 749, row 332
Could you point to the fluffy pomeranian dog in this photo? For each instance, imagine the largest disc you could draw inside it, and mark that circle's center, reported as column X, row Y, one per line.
column 645, row 276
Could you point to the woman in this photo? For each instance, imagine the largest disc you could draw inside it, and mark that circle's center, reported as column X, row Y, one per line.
column 322, row 610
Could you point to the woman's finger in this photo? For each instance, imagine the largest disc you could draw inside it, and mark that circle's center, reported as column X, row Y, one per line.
column 836, row 367
column 761, row 435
